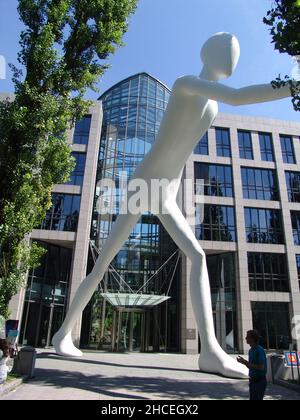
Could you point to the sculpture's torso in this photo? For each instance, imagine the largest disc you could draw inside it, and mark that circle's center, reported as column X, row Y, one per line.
column 186, row 120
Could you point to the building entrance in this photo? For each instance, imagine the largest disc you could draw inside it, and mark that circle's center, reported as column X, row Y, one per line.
column 46, row 297
column 128, row 332
column 40, row 323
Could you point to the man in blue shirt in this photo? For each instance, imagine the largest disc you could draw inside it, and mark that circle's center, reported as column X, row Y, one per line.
column 257, row 366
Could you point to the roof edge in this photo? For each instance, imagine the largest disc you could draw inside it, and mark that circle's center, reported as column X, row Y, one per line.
column 131, row 77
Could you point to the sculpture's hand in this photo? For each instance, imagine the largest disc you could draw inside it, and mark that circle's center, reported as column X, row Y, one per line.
column 194, row 86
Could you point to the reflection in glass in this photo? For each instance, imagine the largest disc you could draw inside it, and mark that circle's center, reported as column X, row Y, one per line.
column 46, row 296
column 223, row 142
column 272, row 321
column 77, row 175
column 295, row 216
column 82, row 130
column 266, row 147
column 64, row 213
column 218, row 223
column 260, row 184
column 264, row 226
column 221, row 270
column 268, row 272
column 202, row 146
column 293, row 186
column 245, row 145
column 287, row 147
column 218, row 180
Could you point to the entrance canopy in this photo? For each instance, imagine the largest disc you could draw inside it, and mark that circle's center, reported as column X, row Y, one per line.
column 131, row 300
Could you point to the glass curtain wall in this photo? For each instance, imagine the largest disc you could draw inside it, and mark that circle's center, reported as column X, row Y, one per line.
column 222, row 277
column 218, row 180
column 272, row 320
column 293, row 186
column 46, row 297
column 133, row 110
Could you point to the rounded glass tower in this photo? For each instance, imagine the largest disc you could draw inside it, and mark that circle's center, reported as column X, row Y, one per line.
column 132, row 113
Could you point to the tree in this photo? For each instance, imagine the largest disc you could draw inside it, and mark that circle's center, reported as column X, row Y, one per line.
column 284, row 20
column 64, row 50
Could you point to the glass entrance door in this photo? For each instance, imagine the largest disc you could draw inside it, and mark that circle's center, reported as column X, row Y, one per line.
column 45, row 319
column 46, row 297
column 41, row 323
column 128, row 331
column 137, row 331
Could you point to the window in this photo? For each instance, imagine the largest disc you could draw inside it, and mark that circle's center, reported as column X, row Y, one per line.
column 218, row 223
column 260, row 184
column 63, row 214
column 245, row 145
column 263, row 226
column 82, row 130
column 223, row 142
column 287, row 148
column 295, row 215
column 222, row 277
column 268, row 272
column 298, row 267
column 272, row 321
column 266, row 147
column 78, row 173
column 293, row 186
column 217, row 179
column 46, row 296
column 202, row 146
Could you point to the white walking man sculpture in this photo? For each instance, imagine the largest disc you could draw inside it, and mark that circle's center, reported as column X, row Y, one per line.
column 190, row 113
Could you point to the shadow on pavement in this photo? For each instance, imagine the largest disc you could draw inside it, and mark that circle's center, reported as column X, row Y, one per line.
column 62, row 380
column 160, row 387
column 54, row 356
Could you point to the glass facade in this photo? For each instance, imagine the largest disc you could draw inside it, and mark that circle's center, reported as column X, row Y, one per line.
column 268, row 272
column 287, row 147
column 46, row 296
column 223, row 142
column 133, row 110
column 293, row 186
column 221, row 271
column 63, row 214
column 82, row 130
column 218, row 180
column 218, row 223
column 264, row 226
column 260, row 184
column 202, row 147
column 78, row 172
column 295, row 216
column 266, row 147
column 272, row 320
column 245, row 145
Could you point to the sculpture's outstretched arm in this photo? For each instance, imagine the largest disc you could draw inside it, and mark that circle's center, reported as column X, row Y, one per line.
column 192, row 85
column 260, row 93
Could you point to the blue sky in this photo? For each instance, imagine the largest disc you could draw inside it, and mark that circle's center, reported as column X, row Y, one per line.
column 165, row 38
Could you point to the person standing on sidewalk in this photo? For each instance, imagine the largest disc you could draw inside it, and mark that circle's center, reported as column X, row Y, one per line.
column 257, row 366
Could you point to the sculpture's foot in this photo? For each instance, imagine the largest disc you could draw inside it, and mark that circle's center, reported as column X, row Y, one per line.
column 220, row 363
column 64, row 346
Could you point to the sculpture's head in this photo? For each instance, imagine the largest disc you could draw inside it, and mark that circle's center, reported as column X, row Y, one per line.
column 220, row 54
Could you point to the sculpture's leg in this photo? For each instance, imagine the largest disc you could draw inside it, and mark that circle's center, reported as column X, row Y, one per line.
column 120, row 232
column 212, row 358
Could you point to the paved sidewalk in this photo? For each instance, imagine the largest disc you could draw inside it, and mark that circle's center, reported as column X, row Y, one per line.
column 135, row 376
